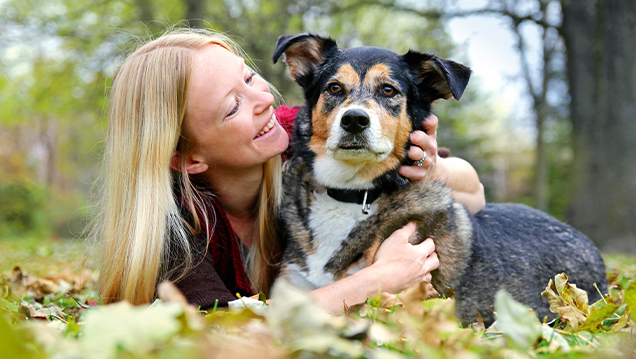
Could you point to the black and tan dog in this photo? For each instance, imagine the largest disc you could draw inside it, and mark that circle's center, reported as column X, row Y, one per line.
column 343, row 195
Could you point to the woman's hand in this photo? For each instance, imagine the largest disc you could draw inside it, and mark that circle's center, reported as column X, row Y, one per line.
column 458, row 174
column 424, row 149
column 398, row 265
column 401, row 265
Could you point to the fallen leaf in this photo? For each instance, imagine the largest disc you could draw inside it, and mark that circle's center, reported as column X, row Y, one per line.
column 630, row 299
column 515, row 321
column 37, row 287
column 169, row 293
column 566, row 300
column 596, row 317
column 37, row 311
column 479, row 325
column 303, row 326
column 12, row 344
column 123, row 327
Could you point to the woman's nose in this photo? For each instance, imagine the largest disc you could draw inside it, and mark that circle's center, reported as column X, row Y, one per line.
column 264, row 100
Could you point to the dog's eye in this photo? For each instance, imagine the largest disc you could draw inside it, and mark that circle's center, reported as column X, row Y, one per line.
column 335, row 88
column 388, row 90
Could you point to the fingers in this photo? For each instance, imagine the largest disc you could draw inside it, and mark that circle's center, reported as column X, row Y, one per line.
column 425, row 149
column 403, row 234
column 416, row 153
column 424, row 142
column 430, row 125
column 432, row 262
column 408, row 230
column 413, row 173
column 395, row 245
column 427, row 247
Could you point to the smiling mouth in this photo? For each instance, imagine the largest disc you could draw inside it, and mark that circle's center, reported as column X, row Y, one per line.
column 268, row 126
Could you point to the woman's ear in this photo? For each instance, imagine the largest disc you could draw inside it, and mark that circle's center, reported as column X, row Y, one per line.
column 194, row 164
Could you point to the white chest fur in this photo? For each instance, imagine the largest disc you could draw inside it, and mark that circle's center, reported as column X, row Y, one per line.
column 330, row 222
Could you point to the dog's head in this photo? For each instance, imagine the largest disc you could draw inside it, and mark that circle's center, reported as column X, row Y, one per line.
column 362, row 103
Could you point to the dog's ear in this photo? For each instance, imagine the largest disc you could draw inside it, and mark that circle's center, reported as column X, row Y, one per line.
column 437, row 77
column 303, row 54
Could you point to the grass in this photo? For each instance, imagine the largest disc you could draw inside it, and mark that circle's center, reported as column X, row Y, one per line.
column 49, row 309
column 43, row 257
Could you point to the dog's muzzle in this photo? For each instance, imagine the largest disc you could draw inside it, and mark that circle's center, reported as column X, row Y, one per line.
column 355, row 121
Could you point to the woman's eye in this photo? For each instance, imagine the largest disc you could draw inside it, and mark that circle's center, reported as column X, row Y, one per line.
column 250, row 78
column 234, row 109
column 335, row 88
column 388, row 90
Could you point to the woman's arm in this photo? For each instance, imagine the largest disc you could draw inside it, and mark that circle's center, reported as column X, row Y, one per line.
column 398, row 265
column 456, row 172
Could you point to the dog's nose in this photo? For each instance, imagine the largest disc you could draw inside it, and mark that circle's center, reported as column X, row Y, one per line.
column 354, row 121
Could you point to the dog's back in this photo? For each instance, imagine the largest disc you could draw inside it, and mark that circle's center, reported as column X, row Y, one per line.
column 520, row 249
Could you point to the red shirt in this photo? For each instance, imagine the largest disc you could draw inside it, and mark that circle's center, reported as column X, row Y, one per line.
column 221, row 274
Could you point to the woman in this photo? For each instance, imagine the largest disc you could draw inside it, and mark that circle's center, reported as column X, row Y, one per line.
column 192, row 182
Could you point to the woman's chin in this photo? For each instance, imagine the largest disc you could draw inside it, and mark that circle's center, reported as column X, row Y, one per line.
column 275, row 139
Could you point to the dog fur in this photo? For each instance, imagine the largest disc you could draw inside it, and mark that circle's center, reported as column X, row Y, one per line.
column 353, row 134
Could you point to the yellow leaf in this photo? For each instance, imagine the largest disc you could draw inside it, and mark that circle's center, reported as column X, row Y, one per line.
column 566, row 300
column 554, row 299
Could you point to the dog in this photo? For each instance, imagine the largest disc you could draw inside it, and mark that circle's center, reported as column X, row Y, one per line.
column 343, row 195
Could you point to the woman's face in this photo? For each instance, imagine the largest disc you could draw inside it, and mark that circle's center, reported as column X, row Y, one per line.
column 229, row 113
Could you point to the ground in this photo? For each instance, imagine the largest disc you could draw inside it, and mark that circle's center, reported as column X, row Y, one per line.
column 49, row 308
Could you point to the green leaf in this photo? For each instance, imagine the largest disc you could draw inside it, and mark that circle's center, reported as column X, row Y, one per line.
column 516, row 322
column 11, row 344
column 137, row 330
column 597, row 316
column 630, row 299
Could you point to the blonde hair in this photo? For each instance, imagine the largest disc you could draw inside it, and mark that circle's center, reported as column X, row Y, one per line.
column 139, row 223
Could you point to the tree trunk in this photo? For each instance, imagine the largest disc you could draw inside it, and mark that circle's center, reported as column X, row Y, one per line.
column 600, row 38
column 542, row 165
column 541, row 111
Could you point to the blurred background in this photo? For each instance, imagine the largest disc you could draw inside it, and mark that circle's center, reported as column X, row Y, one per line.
column 548, row 119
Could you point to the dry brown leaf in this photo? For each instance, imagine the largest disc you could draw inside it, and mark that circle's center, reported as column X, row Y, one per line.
column 566, row 300
column 39, row 312
column 573, row 296
column 479, row 325
column 37, row 287
column 572, row 315
column 411, row 299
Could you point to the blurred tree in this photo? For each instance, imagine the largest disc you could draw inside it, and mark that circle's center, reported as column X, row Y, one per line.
column 540, row 82
column 56, row 61
column 58, row 57
column 600, row 38
column 195, row 12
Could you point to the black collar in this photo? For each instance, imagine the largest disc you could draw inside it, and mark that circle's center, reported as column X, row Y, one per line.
column 355, row 195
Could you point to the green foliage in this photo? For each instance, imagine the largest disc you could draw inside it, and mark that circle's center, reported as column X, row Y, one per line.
column 12, row 343
column 53, row 316
column 23, row 208
column 516, row 322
